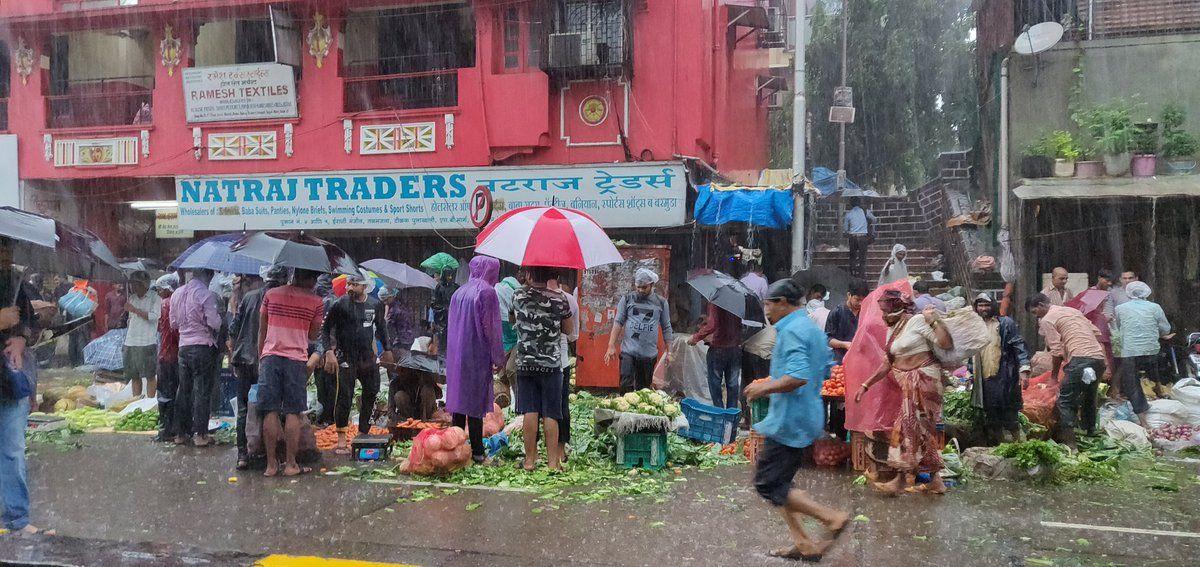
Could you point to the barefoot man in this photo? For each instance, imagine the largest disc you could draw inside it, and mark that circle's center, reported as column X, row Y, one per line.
column 799, row 365
column 289, row 320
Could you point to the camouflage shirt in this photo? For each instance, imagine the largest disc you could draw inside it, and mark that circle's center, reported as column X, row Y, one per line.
column 540, row 314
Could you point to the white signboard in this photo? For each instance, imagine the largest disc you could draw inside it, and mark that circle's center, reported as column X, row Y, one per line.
column 616, row 195
column 254, row 91
column 166, row 224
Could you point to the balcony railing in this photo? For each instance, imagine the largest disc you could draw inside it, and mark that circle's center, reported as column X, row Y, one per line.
column 402, row 91
column 106, row 102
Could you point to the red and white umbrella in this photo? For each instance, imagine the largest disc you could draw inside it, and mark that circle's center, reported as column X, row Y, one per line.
column 548, row 236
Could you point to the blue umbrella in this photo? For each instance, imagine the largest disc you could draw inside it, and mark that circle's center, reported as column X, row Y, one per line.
column 213, row 253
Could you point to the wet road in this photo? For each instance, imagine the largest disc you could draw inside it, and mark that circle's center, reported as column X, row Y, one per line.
column 123, row 500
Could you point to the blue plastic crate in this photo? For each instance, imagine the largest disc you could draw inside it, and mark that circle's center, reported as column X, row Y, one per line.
column 709, row 424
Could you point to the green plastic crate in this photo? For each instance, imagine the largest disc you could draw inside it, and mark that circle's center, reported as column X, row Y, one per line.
column 642, row 450
column 758, row 409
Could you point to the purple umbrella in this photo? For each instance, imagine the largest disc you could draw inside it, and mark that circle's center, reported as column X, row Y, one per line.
column 214, row 254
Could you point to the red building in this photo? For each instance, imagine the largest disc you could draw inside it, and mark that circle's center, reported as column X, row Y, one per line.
column 378, row 114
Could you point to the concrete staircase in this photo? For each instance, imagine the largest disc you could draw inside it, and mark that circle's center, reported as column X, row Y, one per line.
column 919, row 260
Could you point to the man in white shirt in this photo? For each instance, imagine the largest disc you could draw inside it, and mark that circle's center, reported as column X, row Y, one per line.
column 857, row 225
column 754, row 279
column 141, row 340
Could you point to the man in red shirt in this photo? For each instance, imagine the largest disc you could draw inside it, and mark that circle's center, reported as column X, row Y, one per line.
column 168, row 360
column 722, row 331
column 289, row 320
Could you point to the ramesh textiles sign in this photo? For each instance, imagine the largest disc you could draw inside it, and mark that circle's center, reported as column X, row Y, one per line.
column 616, row 195
column 239, row 92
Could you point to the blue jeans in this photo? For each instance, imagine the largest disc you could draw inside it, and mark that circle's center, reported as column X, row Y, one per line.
column 724, row 368
column 14, row 415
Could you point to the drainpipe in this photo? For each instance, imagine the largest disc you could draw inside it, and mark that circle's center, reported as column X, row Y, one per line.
column 1002, row 175
column 799, row 120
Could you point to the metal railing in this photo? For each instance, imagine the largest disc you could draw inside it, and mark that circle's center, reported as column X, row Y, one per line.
column 102, row 102
column 401, row 91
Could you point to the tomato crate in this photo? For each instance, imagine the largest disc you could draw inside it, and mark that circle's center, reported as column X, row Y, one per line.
column 759, row 408
column 642, row 450
column 709, row 424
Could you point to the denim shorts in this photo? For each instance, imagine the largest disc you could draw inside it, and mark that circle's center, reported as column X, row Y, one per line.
column 282, row 385
column 540, row 393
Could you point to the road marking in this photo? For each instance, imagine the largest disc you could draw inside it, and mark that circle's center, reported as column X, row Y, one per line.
column 295, row 561
column 1120, row 529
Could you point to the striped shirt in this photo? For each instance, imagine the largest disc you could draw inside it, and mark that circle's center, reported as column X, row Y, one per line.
column 291, row 314
column 1070, row 335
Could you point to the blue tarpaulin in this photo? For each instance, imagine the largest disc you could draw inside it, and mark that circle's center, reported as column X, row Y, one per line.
column 767, row 207
column 825, row 180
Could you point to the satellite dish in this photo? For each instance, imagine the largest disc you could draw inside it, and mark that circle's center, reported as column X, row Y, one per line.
column 1038, row 38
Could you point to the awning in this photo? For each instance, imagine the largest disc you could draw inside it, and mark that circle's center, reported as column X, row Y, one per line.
column 768, row 207
column 1110, row 188
column 747, row 13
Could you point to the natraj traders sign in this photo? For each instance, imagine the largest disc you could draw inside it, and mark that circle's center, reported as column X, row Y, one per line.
column 616, row 195
column 239, row 92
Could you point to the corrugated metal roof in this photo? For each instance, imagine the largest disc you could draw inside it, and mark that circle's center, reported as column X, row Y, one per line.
column 1110, row 188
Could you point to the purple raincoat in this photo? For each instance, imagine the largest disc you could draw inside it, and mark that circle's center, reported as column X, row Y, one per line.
column 475, row 341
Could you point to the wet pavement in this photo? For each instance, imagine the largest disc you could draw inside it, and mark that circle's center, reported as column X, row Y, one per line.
column 123, row 500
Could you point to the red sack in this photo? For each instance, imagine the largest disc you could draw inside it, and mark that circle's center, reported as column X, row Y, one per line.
column 1039, row 398
column 437, row 452
column 879, row 406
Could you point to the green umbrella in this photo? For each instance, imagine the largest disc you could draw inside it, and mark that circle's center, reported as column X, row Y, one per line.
column 439, row 263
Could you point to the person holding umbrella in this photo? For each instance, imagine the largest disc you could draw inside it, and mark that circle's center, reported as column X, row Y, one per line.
column 244, row 355
column 640, row 317
column 353, row 324
column 289, row 319
column 194, row 314
column 722, row 330
column 541, row 315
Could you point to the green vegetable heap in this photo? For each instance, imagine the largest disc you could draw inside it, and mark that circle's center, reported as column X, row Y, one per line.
column 138, row 420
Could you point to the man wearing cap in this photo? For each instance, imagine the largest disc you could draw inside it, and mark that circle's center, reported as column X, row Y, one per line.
column 244, row 355
column 796, row 418
column 640, row 316
column 999, row 370
column 168, row 359
column 141, row 340
column 354, row 323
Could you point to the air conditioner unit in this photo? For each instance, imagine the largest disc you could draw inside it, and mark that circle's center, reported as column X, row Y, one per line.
column 566, row 50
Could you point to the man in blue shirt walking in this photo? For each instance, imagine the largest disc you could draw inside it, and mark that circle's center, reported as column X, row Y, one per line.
column 796, row 418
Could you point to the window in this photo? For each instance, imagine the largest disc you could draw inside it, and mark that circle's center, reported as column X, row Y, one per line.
column 521, row 36
column 589, row 39
column 233, row 42
column 406, row 58
column 100, row 78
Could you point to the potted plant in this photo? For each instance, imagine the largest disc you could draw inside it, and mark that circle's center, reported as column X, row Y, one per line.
column 1066, row 151
column 1178, row 147
column 1111, row 126
column 1038, row 159
column 1144, row 143
column 1087, row 166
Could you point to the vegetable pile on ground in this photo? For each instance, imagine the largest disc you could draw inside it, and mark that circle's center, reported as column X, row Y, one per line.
column 327, row 437
column 958, row 410
column 835, row 386
column 138, row 420
column 87, row 419
column 1183, row 432
column 418, row 424
column 644, row 401
column 1099, row 459
column 589, row 475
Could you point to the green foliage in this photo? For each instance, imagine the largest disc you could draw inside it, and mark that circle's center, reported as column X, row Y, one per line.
column 912, row 68
column 957, row 408
column 1029, row 454
column 1110, row 125
column 138, row 420
column 1177, row 143
column 1145, row 138
column 1059, row 144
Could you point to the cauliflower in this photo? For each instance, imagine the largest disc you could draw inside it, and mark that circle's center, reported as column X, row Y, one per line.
column 622, row 405
column 631, row 398
column 571, row 398
column 647, row 409
column 672, row 410
column 657, row 400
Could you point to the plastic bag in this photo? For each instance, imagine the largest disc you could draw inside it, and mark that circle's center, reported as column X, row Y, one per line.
column 1039, row 399
column 77, row 304
column 493, row 422
column 970, row 334
column 1128, row 432
column 1117, row 411
column 437, row 452
column 111, row 394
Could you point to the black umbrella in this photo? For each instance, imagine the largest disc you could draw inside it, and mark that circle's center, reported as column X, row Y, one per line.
column 296, row 250
column 44, row 244
column 836, row 280
column 730, row 294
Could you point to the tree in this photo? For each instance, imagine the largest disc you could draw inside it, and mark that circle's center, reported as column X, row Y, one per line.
column 911, row 65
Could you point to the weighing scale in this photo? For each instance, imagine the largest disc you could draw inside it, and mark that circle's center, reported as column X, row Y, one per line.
column 371, row 447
